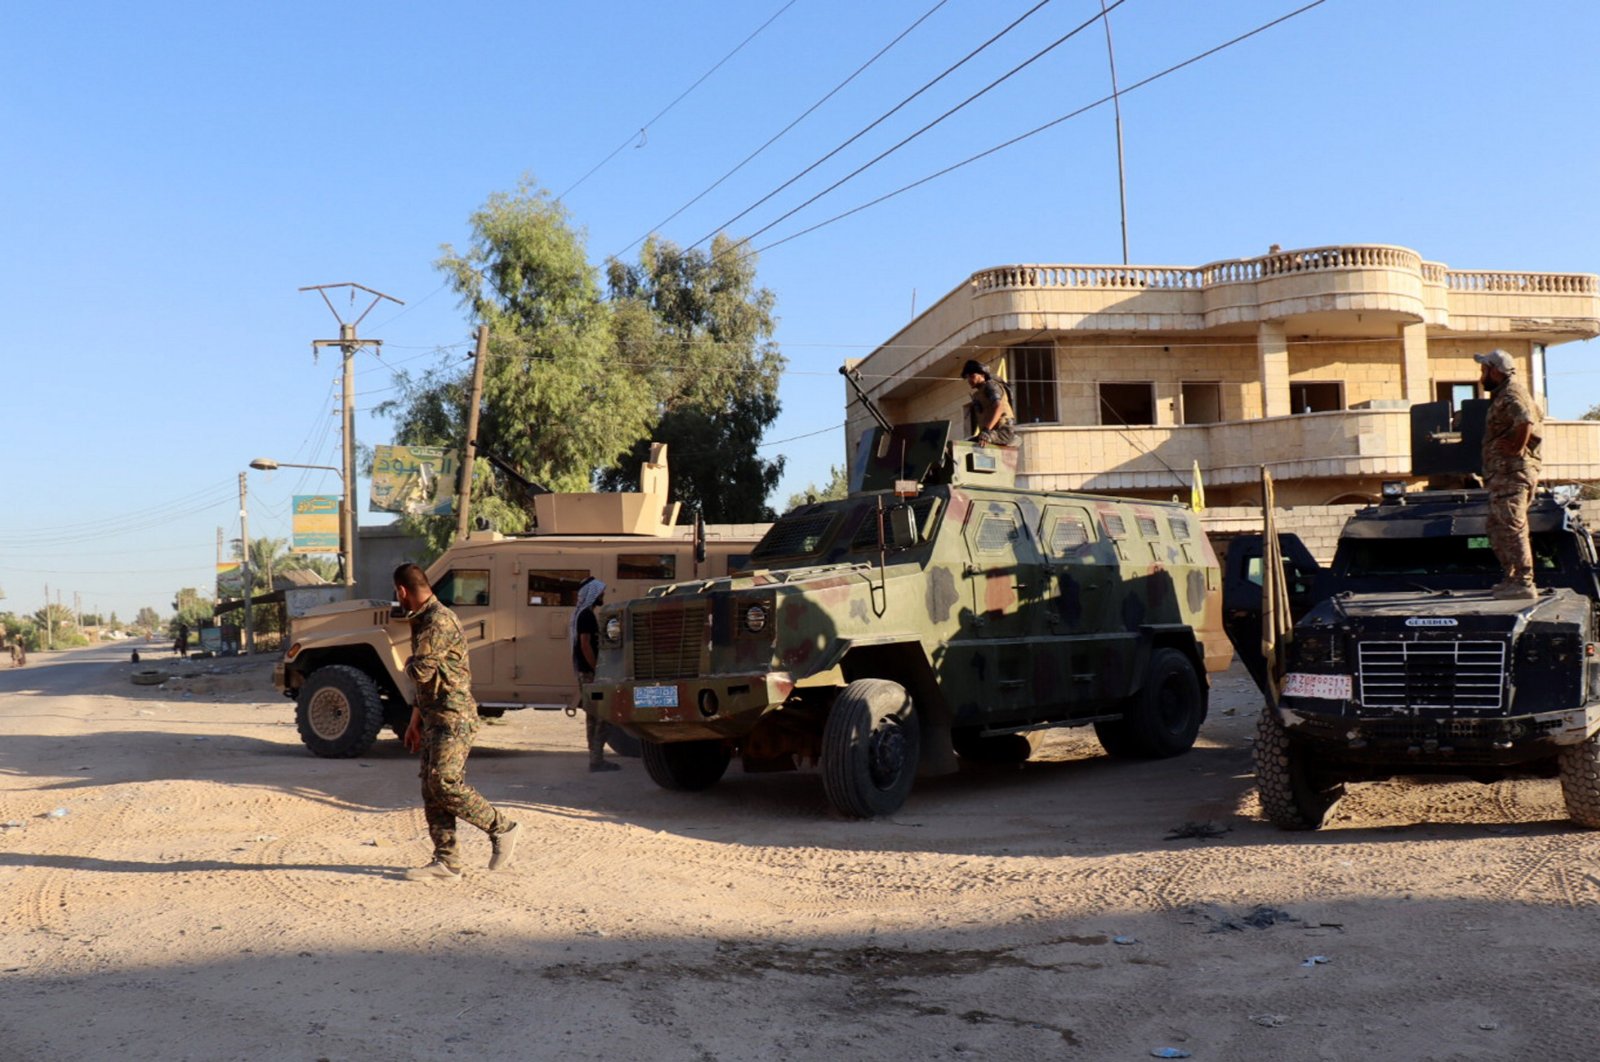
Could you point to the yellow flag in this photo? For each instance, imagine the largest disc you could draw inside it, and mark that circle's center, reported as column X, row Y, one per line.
column 1197, row 490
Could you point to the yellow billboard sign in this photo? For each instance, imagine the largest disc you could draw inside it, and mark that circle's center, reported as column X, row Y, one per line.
column 415, row 480
column 316, row 523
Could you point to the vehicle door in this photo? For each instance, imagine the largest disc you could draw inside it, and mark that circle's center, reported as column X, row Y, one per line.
column 1005, row 575
column 467, row 587
column 1082, row 580
column 548, row 584
column 1241, row 594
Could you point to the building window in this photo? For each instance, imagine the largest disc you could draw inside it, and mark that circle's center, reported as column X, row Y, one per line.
column 1031, row 372
column 1202, row 403
column 1455, row 392
column 1316, row 397
column 1128, row 403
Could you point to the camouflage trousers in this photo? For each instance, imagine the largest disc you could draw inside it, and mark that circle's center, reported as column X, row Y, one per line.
column 446, row 795
column 1509, row 495
column 594, row 728
column 1002, row 434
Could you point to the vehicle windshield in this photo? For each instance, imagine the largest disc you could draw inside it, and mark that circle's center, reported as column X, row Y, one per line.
column 1456, row 555
column 826, row 533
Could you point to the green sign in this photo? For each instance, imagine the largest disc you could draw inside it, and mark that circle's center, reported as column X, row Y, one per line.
column 415, row 480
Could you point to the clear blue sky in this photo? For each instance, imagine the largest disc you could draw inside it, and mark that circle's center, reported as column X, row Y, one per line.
column 173, row 172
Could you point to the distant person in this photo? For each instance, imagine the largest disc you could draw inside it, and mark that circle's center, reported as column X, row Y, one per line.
column 444, row 720
column 993, row 420
column 583, row 632
column 1510, row 471
column 180, row 644
column 19, row 652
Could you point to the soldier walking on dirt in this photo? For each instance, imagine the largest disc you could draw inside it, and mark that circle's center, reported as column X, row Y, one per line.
column 993, row 420
column 19, row 652
column 584, row 633
column 1510, row 471
column 444, row 720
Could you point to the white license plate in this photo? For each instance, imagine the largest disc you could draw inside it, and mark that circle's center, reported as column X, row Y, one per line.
column 1326, row 687
column 655, row 696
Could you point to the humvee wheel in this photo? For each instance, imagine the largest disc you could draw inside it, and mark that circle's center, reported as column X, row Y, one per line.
column 1163, row 718
column 1292, row 797
column 870, row 747
column 1580, row 781
column 686, row 766
column 339, row 711
column 1007, row 750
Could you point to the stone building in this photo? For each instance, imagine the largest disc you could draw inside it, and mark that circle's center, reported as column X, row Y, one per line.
column 1306, row 361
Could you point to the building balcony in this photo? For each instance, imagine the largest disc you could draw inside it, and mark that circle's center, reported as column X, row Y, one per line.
column 1345, row 445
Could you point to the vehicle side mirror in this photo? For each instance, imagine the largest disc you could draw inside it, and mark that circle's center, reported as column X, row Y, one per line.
column 901, row 527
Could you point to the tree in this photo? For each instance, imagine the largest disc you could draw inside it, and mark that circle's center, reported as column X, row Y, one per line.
column 148, row 619
column 553, row 405
column 838, row 486
column 192, row 607
column 695, row 326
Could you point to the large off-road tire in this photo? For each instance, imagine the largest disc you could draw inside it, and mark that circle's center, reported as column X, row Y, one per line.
column 1006, row 750
column 623, row 743
column 1164, row 717
column 339, row 711
column 1580, row 781
column 870, row 747
column 1294, row 794
column 686, row 766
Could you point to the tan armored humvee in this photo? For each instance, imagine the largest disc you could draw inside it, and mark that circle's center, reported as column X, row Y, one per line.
column 345, row 665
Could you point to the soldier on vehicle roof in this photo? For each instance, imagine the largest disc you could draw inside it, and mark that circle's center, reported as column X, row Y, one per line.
column 993, row 420
column 1510, row 471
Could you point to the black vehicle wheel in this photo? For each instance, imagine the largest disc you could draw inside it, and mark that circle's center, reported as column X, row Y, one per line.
column 339, row 711
column 623, row 743
column 870, row 747
column 685, row 766
column 1580, row 781
column 1294, row 795
column 1163, row 718
column 1006, row 750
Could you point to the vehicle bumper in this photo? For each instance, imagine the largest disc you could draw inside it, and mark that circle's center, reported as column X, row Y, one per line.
column 690, row 709
column 1436, row 741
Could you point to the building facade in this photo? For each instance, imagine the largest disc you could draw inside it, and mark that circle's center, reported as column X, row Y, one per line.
column 1306, row 361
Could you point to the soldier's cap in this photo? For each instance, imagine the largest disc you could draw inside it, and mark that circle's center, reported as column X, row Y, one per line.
column 973, row 366
column 1497, row 359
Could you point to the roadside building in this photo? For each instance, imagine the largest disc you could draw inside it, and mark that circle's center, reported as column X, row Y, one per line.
column 1125, row 378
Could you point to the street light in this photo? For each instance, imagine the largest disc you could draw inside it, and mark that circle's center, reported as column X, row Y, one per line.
column 347, row 531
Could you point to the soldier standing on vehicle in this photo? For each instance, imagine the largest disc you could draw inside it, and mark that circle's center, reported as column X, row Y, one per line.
column 584, row 634
column 444, row 720
column 993, row 420
column 1510, row 471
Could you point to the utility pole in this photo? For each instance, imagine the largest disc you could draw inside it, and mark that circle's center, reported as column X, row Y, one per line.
column 469, row 452
column 1116, row 105
column 49, row 621
column 77, row 609
column 244, row 570
column 348, row 344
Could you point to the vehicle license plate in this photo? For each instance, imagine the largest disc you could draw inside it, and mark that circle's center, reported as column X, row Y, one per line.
column 655, row 696
column 1326, row 687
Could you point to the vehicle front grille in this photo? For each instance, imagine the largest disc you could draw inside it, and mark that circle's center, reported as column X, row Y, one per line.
column 1461, row 675
column 667, row 641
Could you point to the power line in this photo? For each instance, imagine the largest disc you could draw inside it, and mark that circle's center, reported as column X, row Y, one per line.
column 853, row 174
column 875, row 122
column 780, row 133
column 631, row 136
column 1039, row 129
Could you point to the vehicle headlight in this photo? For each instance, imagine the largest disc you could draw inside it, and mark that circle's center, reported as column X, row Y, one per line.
column 614, row 629
column 755, row 618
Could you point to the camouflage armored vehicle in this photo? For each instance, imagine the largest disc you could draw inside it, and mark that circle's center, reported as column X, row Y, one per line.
column 1401, row 663
column 938, row 612
column 345, row 666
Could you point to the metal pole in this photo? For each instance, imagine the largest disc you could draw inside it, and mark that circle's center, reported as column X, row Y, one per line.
column 469, row 452
column 49, row 621
column 1116, row 106
column 244, row 570
column 347, row 518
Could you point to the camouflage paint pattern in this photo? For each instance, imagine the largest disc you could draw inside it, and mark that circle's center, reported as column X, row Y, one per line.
column 1023, row 606
column 1511, row 478
column 446, row 796
column 438, row 666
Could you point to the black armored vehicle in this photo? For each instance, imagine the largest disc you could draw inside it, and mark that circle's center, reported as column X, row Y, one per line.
column 1400, row 661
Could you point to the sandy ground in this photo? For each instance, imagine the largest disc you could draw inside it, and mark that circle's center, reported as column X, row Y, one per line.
column 209, row 890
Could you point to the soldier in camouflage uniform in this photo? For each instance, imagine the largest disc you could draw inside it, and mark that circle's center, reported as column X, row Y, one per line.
column 993, row 419
column 444, row 720
column 1510, row 471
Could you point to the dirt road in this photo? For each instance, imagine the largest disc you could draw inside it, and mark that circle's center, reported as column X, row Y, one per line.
column 208, row 890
